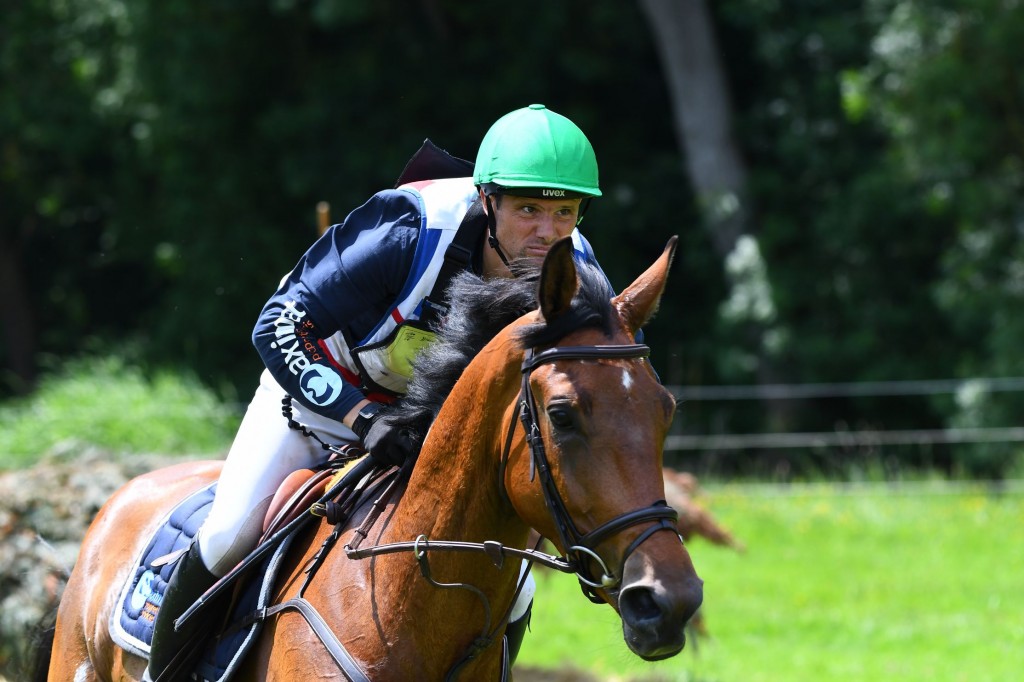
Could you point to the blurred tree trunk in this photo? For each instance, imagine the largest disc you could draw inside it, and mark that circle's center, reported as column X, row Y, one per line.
column 684, row 35
column 16, row 312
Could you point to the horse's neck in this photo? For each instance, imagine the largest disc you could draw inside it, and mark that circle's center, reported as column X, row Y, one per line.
column 456, row 490
column 454, row 494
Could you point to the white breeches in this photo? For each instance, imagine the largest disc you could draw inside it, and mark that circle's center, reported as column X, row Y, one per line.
column 262, row 455
column 525, row 595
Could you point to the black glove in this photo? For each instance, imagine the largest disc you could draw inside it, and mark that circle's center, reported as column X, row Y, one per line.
column 389, row 445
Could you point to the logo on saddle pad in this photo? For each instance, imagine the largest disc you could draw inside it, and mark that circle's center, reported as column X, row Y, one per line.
column 144, row 595
column 320, row 384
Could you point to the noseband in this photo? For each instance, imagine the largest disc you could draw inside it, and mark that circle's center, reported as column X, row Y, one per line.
column 581, row 547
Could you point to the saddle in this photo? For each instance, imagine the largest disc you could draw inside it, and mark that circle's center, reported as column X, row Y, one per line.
column 249, row 586
column 295, row 496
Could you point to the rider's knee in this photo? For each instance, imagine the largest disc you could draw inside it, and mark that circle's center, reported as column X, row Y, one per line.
column 222, row 547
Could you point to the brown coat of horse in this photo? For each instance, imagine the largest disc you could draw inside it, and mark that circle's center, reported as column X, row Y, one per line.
column 606, row 463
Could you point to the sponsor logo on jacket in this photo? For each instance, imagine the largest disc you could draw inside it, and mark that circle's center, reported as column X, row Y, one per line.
column 294, row 339
column 320, row 384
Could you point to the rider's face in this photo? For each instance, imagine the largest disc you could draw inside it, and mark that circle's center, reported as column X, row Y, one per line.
column 527, row 227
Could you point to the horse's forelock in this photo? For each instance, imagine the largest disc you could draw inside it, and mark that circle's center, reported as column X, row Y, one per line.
column 591, row 308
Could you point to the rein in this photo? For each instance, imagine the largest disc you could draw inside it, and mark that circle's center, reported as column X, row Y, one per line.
column 580, row 547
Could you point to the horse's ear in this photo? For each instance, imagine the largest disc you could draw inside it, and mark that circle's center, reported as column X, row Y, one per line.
column 639, row 301
column 558, row 281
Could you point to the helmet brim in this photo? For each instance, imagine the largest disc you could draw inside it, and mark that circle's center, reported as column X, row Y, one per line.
column 539, row 190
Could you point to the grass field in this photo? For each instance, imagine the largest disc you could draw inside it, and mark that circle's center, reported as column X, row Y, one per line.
column 106, row 403
column 924, row 583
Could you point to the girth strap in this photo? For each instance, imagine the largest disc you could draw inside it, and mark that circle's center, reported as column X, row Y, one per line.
column 330, row 641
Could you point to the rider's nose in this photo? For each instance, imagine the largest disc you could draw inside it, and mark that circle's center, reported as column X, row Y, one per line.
column 546, row 229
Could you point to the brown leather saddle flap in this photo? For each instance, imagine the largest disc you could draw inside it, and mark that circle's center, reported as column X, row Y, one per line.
column 295, row 496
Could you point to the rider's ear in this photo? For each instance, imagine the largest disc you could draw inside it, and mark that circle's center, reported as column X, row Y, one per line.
column 558, row 281
column 639, row 301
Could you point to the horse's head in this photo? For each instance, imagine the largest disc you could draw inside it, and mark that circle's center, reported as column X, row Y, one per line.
column 591, row 478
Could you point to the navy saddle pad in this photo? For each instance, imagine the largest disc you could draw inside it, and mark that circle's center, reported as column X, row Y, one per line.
column 131, row 623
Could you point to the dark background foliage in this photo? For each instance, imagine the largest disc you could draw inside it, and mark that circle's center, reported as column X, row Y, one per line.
column 161, row 162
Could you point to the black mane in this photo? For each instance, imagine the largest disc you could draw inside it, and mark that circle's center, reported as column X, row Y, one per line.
column 479, row 309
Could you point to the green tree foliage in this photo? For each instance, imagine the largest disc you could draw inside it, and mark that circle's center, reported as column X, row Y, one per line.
column 61, row 142
column 219, row 126
column 161, row 161
column 946, row 83
column 852, row 253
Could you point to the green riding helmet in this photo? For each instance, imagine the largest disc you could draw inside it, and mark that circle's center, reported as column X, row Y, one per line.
column 535, row 152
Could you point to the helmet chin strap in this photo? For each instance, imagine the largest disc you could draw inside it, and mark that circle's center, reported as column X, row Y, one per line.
column 584, row 205
column 492, row 232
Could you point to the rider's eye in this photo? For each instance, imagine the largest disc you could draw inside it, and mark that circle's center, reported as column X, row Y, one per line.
column 560, row 418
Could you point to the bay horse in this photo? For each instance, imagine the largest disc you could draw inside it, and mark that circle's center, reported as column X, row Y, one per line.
column 556, row 424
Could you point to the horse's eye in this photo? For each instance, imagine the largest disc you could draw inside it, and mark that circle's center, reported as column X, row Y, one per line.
column 560, row 418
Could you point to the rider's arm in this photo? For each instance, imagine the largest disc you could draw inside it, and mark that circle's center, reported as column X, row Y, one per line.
column 346, row 282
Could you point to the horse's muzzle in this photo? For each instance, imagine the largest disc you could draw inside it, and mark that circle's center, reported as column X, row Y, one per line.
column 655, row 609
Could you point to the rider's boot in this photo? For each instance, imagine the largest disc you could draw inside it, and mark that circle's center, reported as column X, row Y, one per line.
column 172, row 648
column 515, row 632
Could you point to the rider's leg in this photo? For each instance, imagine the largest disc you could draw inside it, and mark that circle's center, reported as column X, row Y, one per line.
column 519, row 620
column 187, row 583
column 262, row 455
column 515, row 633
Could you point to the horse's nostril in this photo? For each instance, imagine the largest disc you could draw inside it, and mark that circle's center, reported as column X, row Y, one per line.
column 638, row 605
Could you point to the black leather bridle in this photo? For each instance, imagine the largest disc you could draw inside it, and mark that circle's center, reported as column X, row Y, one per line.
column 580, row 548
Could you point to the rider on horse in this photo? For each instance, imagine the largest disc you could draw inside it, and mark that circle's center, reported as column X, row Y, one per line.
column 338, row 334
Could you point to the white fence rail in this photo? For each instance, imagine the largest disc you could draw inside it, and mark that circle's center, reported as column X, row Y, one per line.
column 844, row 439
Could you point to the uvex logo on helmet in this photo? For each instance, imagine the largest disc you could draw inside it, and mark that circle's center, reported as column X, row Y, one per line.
column 553, row 193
